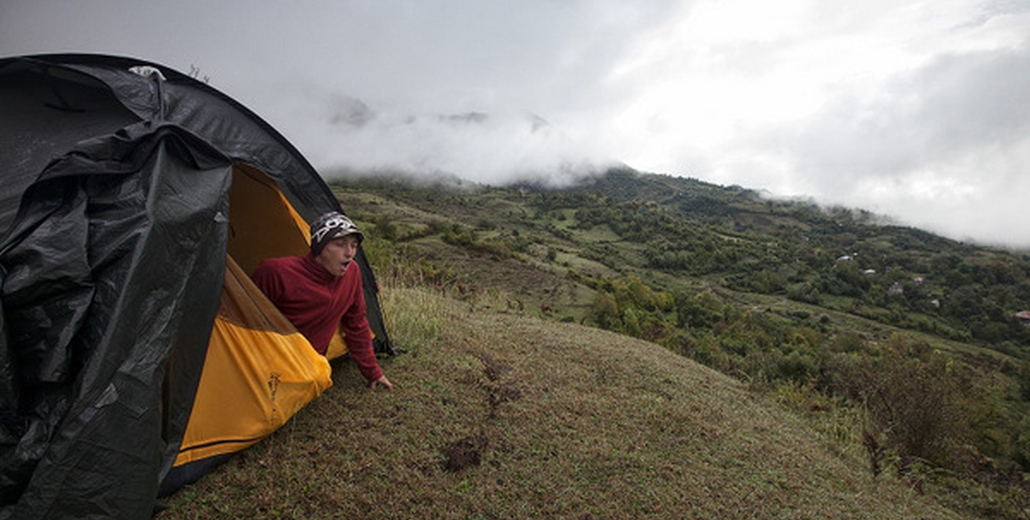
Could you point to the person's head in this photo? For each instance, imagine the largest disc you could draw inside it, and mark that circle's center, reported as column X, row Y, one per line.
column 334, row 242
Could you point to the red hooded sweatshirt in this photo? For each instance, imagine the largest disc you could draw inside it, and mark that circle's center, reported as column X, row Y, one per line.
column 316, row 302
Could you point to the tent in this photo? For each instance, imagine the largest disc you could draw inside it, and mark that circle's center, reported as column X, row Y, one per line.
column 136, row 354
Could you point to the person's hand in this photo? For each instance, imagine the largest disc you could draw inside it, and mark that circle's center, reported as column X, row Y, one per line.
column 381, row 381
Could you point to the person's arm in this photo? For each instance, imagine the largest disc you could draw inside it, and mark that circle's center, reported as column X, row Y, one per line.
column 358, row 337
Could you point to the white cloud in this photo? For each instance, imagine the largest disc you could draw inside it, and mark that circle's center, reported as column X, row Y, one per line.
column 902, row 108
column 916, row 109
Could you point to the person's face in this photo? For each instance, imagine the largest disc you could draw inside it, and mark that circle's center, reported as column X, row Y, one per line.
column 338, row 254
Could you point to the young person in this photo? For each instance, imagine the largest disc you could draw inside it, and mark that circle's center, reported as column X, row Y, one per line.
column 322, row 290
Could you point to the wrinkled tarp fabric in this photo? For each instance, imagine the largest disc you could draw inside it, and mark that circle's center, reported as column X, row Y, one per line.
column 109, row 265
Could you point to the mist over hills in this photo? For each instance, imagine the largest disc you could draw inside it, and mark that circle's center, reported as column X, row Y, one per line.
column 588, row 176
column 352, row 137
column 355, row 138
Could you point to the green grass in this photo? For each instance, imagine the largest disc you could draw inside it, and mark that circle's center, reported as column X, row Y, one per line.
column 564, row 421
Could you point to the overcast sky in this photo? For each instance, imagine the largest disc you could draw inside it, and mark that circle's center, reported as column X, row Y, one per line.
column 919, row 110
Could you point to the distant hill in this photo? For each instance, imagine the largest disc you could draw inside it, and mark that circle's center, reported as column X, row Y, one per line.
column 841, row 259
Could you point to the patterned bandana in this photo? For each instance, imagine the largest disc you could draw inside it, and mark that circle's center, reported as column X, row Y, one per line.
column 329, row 226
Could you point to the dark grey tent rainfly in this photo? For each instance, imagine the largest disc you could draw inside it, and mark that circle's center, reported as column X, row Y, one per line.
column 116, row 218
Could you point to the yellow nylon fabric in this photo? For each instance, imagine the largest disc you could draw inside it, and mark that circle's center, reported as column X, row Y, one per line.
column 263, row 224
column 258, row 373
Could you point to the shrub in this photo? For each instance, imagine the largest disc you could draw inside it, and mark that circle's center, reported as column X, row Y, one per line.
column 707, row 352
column 919, row 403
column 604, row 311
column 385, row 228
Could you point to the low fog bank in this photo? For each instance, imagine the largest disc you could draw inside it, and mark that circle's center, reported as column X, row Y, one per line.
column 349, row 138
column 353, row 139
column 987, row 228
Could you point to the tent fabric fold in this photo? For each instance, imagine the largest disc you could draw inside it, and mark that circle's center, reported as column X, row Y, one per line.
column 94, row 301
column 135, row 352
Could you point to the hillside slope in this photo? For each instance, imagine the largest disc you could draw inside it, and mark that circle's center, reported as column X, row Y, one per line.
column 851, row 317
column 501, row 415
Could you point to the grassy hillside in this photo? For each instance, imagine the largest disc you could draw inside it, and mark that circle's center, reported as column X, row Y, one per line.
column 903, row 344
column 501, row 415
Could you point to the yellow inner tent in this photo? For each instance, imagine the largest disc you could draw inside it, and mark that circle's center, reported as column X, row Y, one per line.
column 259, row 370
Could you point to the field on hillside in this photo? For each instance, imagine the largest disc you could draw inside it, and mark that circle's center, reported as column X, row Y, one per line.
column 497, row 414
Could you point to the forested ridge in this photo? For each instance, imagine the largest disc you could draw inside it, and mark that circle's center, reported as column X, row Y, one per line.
column 839, row 258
